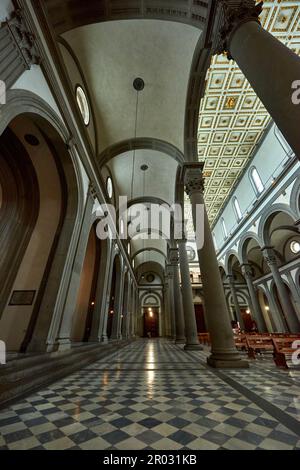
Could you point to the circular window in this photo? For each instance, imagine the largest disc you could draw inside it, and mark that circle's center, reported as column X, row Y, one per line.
column 295, row 247
column 109, row 187
column 32, row 140
column 83, row 105
column 150, row 278
column 191, row 253
column 121, row 227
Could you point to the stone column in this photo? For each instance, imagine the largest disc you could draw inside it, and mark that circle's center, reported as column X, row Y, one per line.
column 223, row 352
column 63, row 340
column 264, row 60
column 117, row 320
column 285, row 301
column 255, row 306
column 170, row 275
column 98, row 333
column 192, row 340
column 230, row 278
column 167, row 309
column 125, row 311
column 179, row 318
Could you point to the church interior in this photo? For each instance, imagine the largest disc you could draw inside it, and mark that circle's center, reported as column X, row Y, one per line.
column 149, row 225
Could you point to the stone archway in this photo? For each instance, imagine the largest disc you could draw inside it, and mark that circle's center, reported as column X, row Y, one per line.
column 32, row 280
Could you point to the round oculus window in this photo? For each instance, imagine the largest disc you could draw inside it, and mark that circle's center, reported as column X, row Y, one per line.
column 150, row 278
column 83, row 105
column 191, row 253
column 295, row 247
column 109, row 187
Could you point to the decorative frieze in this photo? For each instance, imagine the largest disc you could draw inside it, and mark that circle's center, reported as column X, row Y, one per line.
column 18, row 50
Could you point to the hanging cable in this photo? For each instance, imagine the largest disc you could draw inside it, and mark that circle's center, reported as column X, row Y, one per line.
column 135, row 135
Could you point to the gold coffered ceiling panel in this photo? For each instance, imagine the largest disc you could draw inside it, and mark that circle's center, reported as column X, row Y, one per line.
column 232, row 119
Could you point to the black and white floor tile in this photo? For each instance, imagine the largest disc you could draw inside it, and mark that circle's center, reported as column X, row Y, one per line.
column 154, row 395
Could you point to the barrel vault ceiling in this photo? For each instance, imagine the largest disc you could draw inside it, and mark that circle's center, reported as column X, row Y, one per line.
column 232, row 119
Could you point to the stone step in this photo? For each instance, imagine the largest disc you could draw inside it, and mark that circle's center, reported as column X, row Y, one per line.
column 20, row 377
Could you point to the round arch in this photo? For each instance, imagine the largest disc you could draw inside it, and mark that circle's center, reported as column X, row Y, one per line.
column 267, row 217
column 48, row 303
column 149, row 249
column 83, row 15
column 138, row 144
column 295, row 197
column 228, row 257
column 245, row 238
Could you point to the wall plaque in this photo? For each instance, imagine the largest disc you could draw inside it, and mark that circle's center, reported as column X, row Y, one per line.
column 22, row 297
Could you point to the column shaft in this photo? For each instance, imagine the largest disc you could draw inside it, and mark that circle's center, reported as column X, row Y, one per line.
column 179, row 318
column 223, row 352
column 286, row 304
column 192, row 340
column 236, row 302
column 264, row 60
column 255, row 310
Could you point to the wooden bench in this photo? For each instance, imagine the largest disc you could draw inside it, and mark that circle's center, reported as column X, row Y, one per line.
column 240, row 342
column 283, row 349
column 258, row 344
column 204, row 338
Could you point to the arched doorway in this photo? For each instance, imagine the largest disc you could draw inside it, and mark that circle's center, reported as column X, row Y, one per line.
column 125, row 309
column 39, row 201
column 267, row 310
column 151, row 322
column 115, row 292
column 86, row 298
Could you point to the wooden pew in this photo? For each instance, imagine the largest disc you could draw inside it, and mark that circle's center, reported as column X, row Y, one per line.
column 259, row 343
column 204, row 338
column 283, row 350
column 240, row 342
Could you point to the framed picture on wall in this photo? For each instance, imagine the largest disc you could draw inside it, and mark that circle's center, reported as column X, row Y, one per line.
column 22, row 297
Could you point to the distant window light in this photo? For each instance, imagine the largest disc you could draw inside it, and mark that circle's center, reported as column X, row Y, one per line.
column 83, row 105
column 122, row 227
column 215, row 241
column 237, row 209
column 225, row 233
column 295, row 247
column 109, row 187
column 256, row 180
column 128, row 249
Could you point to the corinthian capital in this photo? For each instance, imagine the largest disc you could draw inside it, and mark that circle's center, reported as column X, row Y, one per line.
column 174, row 256
column 269, row 255
column 231, row 14
column 247, row 271
column 193, row 177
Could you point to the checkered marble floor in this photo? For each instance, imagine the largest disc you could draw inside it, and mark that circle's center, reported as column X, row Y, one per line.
column 154, row 395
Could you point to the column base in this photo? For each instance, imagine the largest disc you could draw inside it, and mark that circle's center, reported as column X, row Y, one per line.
column 63, row 344
column 104, row 340
column 180, row 341
column 227, row 363
column 193, row 347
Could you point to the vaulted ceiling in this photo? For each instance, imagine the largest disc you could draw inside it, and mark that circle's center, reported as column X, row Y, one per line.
column 157, row 42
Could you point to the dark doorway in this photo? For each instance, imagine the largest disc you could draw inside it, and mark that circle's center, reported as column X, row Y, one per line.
column 151, row 329
column 200, row 319
column 248, row 321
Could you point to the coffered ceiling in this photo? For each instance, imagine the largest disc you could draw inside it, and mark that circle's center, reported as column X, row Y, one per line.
column 232, row 119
